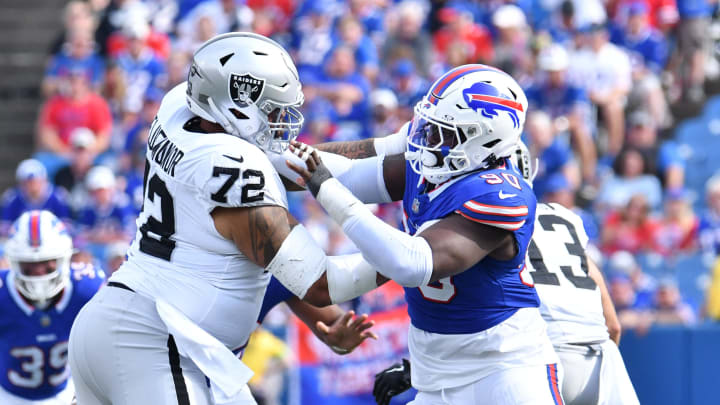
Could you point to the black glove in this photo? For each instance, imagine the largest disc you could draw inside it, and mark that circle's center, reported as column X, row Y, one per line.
column 392, row 381
column 319, row 176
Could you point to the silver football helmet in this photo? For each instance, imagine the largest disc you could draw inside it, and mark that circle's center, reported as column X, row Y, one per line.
column 248, row 84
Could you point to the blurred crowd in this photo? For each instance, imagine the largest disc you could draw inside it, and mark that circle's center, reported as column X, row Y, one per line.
column 601, row 76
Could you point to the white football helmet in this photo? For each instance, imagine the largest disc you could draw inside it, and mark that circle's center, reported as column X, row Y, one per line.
column 39, row 236
column 248, row 84
column 471, row 118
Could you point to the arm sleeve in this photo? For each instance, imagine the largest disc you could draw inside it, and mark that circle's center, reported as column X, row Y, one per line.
column 404, row 258
column 488, row 209
column 363, row 177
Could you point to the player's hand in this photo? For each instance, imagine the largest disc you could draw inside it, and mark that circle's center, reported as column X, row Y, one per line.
column 347, row 332
column 315, row 174
column 392, row 381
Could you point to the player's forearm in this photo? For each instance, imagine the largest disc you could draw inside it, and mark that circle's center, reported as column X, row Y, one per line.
column 611, row 318
column 365, row 178
column 392, row 144
column 395, row 254
column 350, row 149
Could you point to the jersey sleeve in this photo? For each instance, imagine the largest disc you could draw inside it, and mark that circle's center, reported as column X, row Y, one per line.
column 241, row 179
column 509, row 213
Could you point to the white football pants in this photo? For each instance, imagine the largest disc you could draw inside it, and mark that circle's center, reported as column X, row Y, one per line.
column 64, row 397
column 536, row 385
column 120, row 353
column 595, row 375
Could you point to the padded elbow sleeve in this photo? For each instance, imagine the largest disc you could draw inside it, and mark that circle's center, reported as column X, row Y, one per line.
column 299, row 262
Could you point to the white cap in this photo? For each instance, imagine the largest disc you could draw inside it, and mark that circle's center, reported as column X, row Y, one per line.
column 100, row 177
column 384, row 97
column 29, row 169
column 509, row 16
column 622, row 262
column 554, row 58
column 82, row 137
column 136, row 28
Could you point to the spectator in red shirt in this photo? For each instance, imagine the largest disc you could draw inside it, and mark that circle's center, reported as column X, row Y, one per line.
column 77, row 106
column 459, row 26
column 629, row 229
column 678, row 229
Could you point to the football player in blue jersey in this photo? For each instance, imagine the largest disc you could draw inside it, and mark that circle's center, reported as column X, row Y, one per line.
column 476, row 333
column 40, row 294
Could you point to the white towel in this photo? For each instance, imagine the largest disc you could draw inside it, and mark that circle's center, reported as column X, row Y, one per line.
column 228, row 374
column 615, row 385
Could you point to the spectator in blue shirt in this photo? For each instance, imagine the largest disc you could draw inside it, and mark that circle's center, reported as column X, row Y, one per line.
column 352, row 33
column 142, row 68
column 709, row 229
column 409, row 87
column 553, row 152
column 311, row 37
column 567, row 104
column 108, row 215
column 664, row 158
column 136, row 137
column 77, row 55
column 347, row 90
column 623, row 264
column 639, row 37
column 630, row 178
column 33, row 192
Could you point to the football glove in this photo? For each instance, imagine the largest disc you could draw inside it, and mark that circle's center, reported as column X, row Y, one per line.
column 392, row 381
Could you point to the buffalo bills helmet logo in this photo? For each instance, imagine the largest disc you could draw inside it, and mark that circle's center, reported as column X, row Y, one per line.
column 245, row 89
column 488, row 100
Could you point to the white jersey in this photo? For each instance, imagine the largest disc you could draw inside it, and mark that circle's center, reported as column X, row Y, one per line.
column 177, row 254
column 570, row 300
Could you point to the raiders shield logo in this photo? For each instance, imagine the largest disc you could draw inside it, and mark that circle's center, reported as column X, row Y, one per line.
column 245, row 89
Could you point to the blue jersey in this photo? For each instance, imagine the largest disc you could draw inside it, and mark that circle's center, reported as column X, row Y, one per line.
column 33, row 342
column 275, row 294
column 491, row 290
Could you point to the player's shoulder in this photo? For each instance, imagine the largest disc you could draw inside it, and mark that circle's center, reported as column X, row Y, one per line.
column 86, row 278
column 499, row 186
column 497, row 197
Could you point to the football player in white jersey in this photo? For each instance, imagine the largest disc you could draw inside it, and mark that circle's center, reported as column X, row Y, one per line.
column 575, row 303
column 213, row 229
